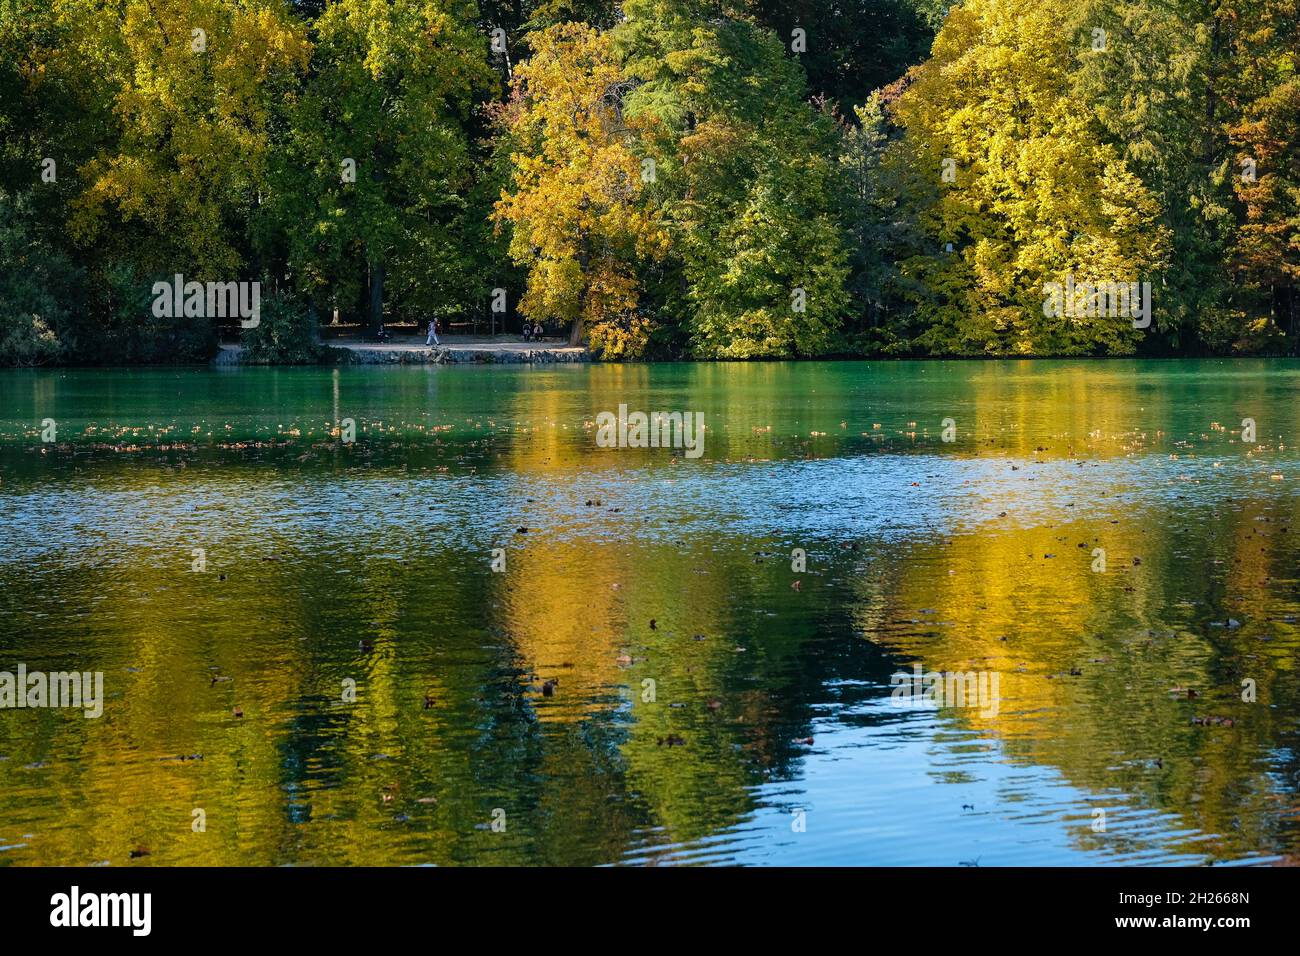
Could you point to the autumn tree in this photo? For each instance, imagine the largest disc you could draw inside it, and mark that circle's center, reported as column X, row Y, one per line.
column 574, row 207
column 193, row 82
column 1262, row 95
column 1028, row 190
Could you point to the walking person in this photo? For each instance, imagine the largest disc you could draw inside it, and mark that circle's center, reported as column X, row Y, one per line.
column 433, row 333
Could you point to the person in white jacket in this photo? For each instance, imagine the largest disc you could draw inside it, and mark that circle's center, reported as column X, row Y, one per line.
column 433, row 333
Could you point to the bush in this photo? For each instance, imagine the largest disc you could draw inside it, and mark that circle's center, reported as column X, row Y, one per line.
column 119, row 328
column 39, row 290
column 26, row 339
column 620, row 339
column 286, row 334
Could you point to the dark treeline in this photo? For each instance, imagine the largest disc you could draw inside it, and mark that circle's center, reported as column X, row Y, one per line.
column 657, row 178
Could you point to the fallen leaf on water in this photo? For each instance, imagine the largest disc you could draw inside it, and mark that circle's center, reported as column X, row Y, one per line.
column 1212, row 721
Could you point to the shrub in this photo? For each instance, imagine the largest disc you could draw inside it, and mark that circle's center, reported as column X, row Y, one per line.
column 118, row 326
column 286, row 334
column 39, row 289
column 619, row 339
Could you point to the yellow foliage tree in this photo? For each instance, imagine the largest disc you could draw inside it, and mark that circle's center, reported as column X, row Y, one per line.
column 579, row 225
column 1021, row 189
column 195, row 81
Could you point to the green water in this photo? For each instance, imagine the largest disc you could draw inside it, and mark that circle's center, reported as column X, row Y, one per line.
column 753, row 720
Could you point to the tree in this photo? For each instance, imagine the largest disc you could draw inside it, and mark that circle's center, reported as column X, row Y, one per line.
column 852, row 47
column 1156, row 88
column 1033, row 195
column 574, row 206
column 38, row 290
column 745, row 180
column 1263, row 97
column 193, row 82
column 370, row 185
column 882, row 204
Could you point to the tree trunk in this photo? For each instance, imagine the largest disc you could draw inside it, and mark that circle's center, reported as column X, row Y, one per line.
column 584, row 263
column 1285, row 301
column 376, row 297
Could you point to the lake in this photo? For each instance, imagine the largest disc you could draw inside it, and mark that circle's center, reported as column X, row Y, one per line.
column 473, row 635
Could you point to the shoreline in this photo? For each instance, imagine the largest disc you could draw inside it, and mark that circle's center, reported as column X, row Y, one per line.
column 526, row 353
column 475, row 351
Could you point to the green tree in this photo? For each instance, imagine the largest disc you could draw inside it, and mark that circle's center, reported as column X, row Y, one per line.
column 369, row 188
column 38, row 290
column 883, row 202
column 1156, row 89
column 745, row 179
column 849, row 48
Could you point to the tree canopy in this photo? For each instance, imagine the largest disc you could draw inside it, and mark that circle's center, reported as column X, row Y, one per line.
column 660, row 178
